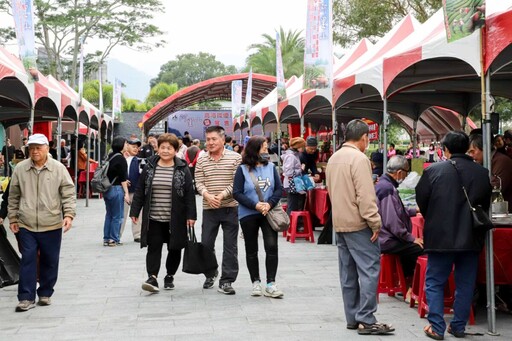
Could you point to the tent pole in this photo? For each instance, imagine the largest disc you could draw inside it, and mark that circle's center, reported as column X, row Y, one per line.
column 302, row 127
column 334, row 134
column 489, row 245
column 414, row 138
column 87, row 165
column 75, row 164
column 385, row 120
column 59, row 136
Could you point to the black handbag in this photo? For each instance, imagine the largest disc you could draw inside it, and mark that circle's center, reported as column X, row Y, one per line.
column 480, row 218
column 198, row 258
column 9, row 261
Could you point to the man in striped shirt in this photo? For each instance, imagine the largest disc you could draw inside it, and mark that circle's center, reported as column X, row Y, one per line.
column 214, row 181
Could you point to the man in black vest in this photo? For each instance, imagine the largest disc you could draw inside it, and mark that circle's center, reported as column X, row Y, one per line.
column 132, row 160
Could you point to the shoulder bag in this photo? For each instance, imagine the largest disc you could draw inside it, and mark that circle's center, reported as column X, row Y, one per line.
column 276, row 217
column 197, row 257
column 481, row 221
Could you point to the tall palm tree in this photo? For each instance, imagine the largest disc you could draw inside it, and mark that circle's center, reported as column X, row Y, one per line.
column 263, row 59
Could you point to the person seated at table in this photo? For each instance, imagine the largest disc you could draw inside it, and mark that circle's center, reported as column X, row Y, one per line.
column 395, row 236
column 501, row 166
column 309, row 157
column 82, row 159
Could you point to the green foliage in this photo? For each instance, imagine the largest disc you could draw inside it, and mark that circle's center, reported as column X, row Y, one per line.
column 354, row 20
column 133, row 105
column 61, row 25
column 92, row 93
column 263, row 59
column 190, row 69
column 159, row 92
column 502, row 105
column 396, row 132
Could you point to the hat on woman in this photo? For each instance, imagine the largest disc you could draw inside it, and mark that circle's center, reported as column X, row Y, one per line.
column 311, row 141
column 297, row 142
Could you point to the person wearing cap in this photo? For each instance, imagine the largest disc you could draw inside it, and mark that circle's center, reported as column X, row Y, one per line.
column 309, row 157
column 42, row 204
column 132, row 162
column 292, row 168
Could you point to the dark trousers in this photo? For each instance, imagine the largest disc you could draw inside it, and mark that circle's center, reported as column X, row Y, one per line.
column 48, row 244
column 408, row 253
column 439, row 267
column 250, row 227
column 295, row 202
column 158, row 234
column 228, row 218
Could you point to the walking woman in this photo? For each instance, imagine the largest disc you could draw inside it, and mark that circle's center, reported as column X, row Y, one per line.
column 166, row 196
column 292, row 168
column 116, row 195
column 252, row 212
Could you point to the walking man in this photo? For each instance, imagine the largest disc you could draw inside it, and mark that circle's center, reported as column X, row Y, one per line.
column 214, row 176
column 357, row 223
column 134, row 170
column 442, row 202
column 42, row 204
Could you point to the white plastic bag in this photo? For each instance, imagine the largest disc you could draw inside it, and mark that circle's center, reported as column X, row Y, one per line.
column 410, row 181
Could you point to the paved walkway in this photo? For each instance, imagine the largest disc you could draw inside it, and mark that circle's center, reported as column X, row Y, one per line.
column 98, row 297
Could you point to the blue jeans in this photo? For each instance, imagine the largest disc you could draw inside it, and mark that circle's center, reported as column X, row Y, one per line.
column 114, row 204
column 48, row 245
column 439, row 267
column 359, row 264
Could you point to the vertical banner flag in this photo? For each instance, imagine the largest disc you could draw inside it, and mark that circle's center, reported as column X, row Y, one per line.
column 236, row 99
column 318, row 53
column 281, row 85
column 461, row 18
column 248, row 96
column 100, row 78
column 81, row 73
column 22, row 12
column 116, row 101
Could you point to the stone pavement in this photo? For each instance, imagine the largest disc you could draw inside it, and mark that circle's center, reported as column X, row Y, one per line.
column 98, row 296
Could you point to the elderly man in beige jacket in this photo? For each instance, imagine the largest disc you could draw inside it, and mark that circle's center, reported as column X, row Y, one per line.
column 42, row 203
column 357, row 222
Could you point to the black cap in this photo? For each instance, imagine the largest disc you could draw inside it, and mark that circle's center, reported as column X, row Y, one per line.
column 134, row 141
column 311, row 141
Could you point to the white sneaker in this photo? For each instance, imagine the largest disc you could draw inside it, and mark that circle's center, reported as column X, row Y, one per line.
column 256, row 289
column 271, row 290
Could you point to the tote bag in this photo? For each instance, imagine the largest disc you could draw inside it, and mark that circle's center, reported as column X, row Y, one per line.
column 198, row 258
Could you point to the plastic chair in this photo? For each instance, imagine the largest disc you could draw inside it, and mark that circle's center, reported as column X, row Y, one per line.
column 391, row 277
column 292, row 232
column 82, row 181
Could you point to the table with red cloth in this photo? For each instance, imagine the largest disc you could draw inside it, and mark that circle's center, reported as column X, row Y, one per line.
column 319, row 204
column 502, row 244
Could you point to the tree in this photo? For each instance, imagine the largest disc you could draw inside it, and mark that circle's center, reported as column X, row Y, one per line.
column 92, row 93
column 62, row 25
column 159, row 92
column 190, row 69
column 263, row 59
column 354, row 20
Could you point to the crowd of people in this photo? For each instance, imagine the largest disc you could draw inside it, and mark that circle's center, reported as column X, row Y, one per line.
column 368, row 216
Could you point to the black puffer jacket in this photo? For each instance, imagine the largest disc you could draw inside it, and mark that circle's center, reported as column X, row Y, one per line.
column 439, row 194
column 183, row 203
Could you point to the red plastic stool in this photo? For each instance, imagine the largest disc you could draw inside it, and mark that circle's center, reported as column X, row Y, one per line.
column 449, row 298
column 285, row 208
column 418, row 281
column 292, row 232
column 391, row 278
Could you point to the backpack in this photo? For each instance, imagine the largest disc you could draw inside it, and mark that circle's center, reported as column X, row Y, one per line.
column 100, row 182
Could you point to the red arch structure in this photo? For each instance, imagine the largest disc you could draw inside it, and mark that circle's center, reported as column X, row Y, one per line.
column 218, row 88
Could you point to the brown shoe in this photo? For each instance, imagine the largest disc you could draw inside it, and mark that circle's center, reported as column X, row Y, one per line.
column 44, row 301
column 374, row 329
column 25, row 305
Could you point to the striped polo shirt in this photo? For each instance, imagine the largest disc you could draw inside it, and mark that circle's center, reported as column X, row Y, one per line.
column 217, row 177
column 161, row 196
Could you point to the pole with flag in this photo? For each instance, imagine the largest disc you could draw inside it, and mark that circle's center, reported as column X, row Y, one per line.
column 23, row 14
column 248, row 99
column 80, row 94
column 461, row 21
column 100, row 138
column 281, row 92
column 236, row 101
column 117, row 101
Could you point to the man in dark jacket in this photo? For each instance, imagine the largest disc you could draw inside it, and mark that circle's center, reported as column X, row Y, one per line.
column 449, row 239
column 309, row 157
column 395, row 234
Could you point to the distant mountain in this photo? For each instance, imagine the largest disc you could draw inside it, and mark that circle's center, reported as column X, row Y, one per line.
column 136, row 82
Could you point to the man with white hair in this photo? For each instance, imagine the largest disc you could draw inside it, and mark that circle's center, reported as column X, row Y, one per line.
column 395, row 234
column 42, row 204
